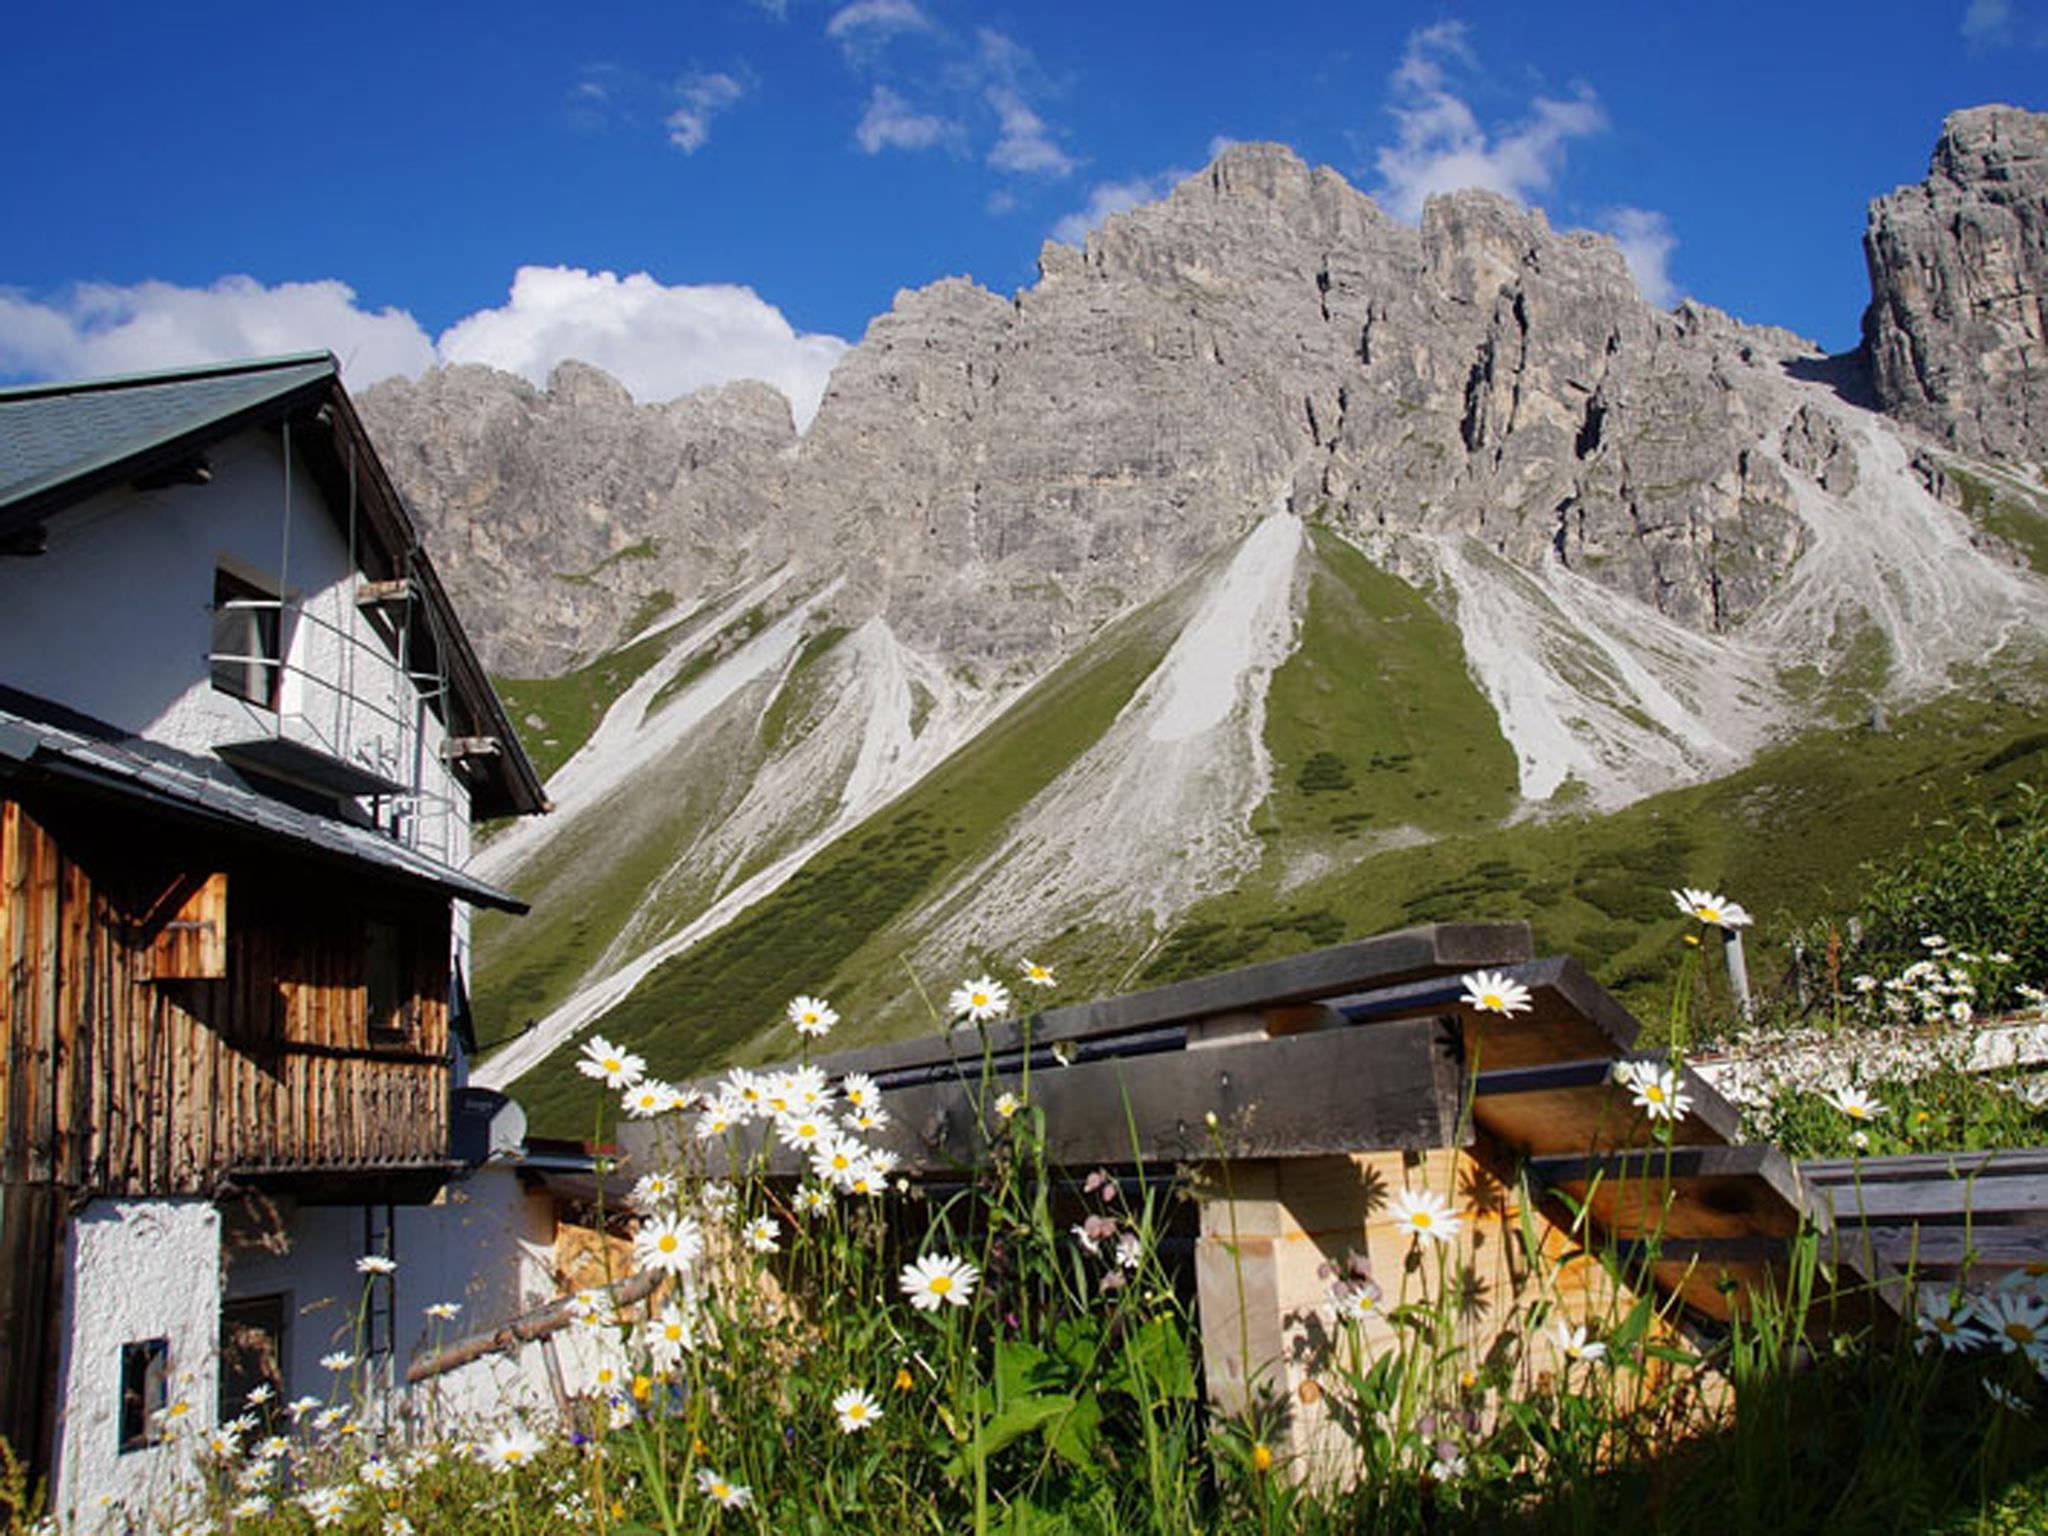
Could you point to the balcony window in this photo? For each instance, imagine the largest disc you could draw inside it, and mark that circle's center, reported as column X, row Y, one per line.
column 248, row 656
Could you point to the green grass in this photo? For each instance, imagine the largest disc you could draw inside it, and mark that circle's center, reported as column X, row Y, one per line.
column 1374, row 722
column 2003, row 505
column 795, row 700
column 568, row 708
column 1788, row 837
column 646, row 549
column 723, row 644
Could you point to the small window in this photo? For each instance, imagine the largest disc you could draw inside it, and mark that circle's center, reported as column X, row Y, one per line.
column 252, row 1358
column 387, row 971
column 145, row 1392
column 248, row 657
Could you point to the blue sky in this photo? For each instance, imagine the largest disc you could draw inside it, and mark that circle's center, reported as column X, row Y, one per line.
column 720, row 187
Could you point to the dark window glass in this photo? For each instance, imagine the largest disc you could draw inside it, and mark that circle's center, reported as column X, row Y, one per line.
column 252, row 1356
column 145, row 1392
column 388, row 976
column 246, row 659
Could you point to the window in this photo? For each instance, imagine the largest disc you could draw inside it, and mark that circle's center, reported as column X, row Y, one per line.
column 252, row 1356
column 387, row 975
column 248, row 657
column 145, row 1392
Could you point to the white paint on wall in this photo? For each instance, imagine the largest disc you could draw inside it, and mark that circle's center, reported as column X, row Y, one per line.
column 115, row 620
column 134, row 1270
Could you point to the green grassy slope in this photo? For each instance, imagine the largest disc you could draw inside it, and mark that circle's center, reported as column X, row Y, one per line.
column 707, row 1003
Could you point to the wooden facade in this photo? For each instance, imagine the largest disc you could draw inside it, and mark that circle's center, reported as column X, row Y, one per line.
column 180, row 1013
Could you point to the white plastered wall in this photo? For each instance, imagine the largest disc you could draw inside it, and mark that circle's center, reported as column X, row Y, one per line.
column 487, row 1243
column 115, row 621
column 135, row 1270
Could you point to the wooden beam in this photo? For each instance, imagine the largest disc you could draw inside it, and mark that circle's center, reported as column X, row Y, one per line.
column 541, row 1323
column 457, row 747
column 1571, row 1016
column 1396, row 1088
column 379, row 594
column 1389, row 960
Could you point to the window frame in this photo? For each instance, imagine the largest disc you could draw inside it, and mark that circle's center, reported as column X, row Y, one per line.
column 246, row 644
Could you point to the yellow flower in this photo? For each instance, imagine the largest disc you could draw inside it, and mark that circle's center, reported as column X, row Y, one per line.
column 643, row 1387
column 904, row 1381
column 1262, row 1457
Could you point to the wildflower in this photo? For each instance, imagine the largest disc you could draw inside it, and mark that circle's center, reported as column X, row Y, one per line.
column 1855, row 1103
column 719, row 1116
column 1093, row 1231
column 1716, row 911
column 1130, row 1249
column 327, row 1506
column 1859, row 1141
column 329, row 1418
column 650, row 1097
column 904, row 1380
column 260, row 1394
column 858, row 1089
column 835, row 1158
column 723, row 1491
column 1448, row 1469
column 814, row 1200
column 762, row 1234
column 800, row 1131
column 511, row 1449
column 1007, row 1105
column 443, row 1311
column 1494, row 992
column 1356, row 1300
column 1658, row 1095
column 1262, row 1457
column 251, row 1507
column 671, row 1336
column 812, row 1016
column 651, row 1191
column 979, row 1000
column 2007, row 1399
column 869, row 1120
column 1865, row 983
column 340, row 1360
column 1423, row 1214
column 376, row 1264
column 299, row 1407
column 670, row 1244
column 856, row 1410
column 1063, row 1052
column 1933, row 941
column 379, row 1473
column 938, row 1278
column 609, row 1064
column 745, row 1089
column 1573, row 1344
column 1038, row 975
column 396, row 1524
column 591, row 1306
column 717, row 1196
column 2017, row 1322
column 223, row 1444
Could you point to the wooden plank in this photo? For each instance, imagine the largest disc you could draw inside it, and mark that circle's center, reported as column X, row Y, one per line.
column 1948, row 1248
column 1949, row 1202
column 1918, row 1166
column 1396, row 1088
column 1596, row 1115
column 190, row 937
column 1387, row 960
column 1571, row 1016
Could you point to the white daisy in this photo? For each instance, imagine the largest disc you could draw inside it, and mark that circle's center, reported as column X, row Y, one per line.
column 814, row 1200
column 339, row 1360
column 376, row 1264
column 722, row 1491
column 511, row 1449
column 670, row 1244
column 937, row 1279
column 1038, row 975
column 1573, row 1344
column 1494, row 992
column 812, row 1016
column 670, row 1336
column 650, row 1097
column 610, row 1064
column 762, row 1234
column 1711, row 908
column 1659, row 1095
column 856, row 1409
column 1007, row 1104
column 858, row 1089
column 1423, row 1214
column 980, row 1000
column 443, row 1311
column 802, row 1130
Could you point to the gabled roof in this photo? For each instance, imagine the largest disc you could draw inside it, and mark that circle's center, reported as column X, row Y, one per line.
column 61, row 444
column 42, row 742
column 56, row 437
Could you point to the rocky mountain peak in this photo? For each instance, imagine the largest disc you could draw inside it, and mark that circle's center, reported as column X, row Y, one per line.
column 1957, row 329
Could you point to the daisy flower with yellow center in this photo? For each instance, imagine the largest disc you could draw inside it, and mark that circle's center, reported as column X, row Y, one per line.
column 856, row 1410
column 722, row 1490
column 938, row 1279
column 1422, row 1214
column 1494, row 992
column 1038, row 975
column 979, row 1000
column 670, row 1244
column 812, row 1017
column 1711, row 908
column 609, row 1064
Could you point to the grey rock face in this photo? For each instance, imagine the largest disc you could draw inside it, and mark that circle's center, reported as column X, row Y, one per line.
column 558, row 515
column 998, row 478
column 1957, row 329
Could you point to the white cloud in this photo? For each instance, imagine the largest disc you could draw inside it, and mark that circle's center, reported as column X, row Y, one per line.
column 1026, row 145
column 1646, row 243
column 871, row 21
column 98, row 328
column 1108, row 197
column 1440, row 145
column 891, row 123
column 704, row 95
column 660, row 341
column 1986, row 22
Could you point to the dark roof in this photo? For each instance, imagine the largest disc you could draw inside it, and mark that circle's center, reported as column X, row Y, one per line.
column 46, row 743
column 61, row 444
column 55, row 435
